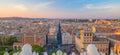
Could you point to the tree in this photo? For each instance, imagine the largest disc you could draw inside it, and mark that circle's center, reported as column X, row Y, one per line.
column 11, row 40
column 37, row 48
column 8, row 40
column 2, row 52
column 14, row 51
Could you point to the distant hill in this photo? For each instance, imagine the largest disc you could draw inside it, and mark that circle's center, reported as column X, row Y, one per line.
column 21, row 18
column 48, row 19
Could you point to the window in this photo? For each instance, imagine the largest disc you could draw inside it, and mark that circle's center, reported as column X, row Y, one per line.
column 15, row 47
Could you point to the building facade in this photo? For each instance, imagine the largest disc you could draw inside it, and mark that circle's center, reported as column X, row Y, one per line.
column 87, row 37
column 30, row 38
column 67, row 38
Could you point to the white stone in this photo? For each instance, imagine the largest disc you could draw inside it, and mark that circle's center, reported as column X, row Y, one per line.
column 73, row 53
column 45, row 53
column 65, row 54
column 26, row 50
column 102, row 53
column 59, row 52
column 92, row 50
column 34, row 53
column 6, row 53
column 37, row 53
column 53, row 54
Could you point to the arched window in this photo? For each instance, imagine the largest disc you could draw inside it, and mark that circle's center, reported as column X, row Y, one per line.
column 15, row 47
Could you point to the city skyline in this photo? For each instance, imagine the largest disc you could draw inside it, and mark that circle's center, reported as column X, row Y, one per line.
column 60, row 8
column 78, row 36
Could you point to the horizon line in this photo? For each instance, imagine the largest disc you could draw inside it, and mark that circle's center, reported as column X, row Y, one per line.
column 55, row 18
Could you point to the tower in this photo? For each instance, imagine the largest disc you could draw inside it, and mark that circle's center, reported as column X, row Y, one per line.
column 59, row 36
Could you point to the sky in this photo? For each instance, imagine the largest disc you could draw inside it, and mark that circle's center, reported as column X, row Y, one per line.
column 60, row 8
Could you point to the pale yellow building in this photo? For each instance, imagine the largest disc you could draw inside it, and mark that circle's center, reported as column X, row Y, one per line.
column 93, row 29
column 87, row 37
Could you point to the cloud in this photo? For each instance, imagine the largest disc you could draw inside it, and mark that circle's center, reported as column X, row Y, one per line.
column 42, row 5
column 20, row 7
column 97, row 7
column 102, row 7
column 99, row 11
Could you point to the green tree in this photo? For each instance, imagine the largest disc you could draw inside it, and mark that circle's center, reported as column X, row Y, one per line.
column 37, row 48
column 2, row 52
column 8, row 40
column 14, row 51
column 11, row 40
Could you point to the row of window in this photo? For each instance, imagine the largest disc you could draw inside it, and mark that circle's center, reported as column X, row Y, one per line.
column 17, row 47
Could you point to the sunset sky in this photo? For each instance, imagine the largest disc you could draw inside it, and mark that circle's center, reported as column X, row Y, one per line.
column 60, row 8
